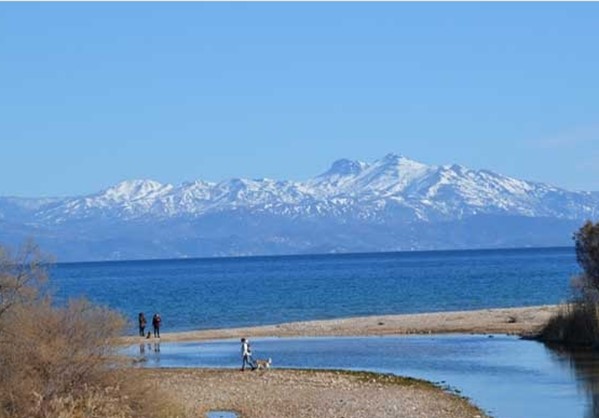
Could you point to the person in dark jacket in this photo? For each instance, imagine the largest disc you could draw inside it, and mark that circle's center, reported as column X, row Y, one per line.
column 142, row 324
column 156, row 320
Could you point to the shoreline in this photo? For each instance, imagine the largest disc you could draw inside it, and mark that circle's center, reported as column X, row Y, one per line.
column 305, row 393
column 523, row 321
column 297, row 393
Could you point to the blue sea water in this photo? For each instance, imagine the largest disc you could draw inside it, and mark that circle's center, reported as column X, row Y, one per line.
column 232, row 292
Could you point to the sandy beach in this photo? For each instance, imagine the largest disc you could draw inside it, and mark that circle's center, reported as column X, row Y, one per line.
column 519, row 321
column 309, row 394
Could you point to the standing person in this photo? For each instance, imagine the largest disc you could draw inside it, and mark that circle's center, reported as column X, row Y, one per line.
column 246, row 354
column 142, row 324
column 156, row 320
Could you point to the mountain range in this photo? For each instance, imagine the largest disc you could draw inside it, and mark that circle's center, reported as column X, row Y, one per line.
column 391, row 204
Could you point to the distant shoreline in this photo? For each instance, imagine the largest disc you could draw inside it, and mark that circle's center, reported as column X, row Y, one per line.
column 516, row 321
column 307, row 255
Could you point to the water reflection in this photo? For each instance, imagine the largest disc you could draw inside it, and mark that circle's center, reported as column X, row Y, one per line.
column 153, row 349
column 221, row 414
column 584, row 365
column 506, row 376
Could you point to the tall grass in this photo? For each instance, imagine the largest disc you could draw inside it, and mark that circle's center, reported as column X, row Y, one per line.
column 61, row 362
column 576, row 324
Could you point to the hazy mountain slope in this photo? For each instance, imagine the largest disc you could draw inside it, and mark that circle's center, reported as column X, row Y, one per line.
column 391, row 204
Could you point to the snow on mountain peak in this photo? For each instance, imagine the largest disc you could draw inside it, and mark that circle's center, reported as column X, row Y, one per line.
column 345, row 167
column 393, row 157
column 393, row 184
column 135, row 189
column 392, row 174
column 394, row 196
column 392, row 160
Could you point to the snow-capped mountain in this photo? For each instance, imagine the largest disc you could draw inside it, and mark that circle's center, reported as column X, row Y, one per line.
column 393, row 203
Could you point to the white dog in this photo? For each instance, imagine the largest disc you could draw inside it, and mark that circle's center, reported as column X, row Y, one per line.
column 263, row 364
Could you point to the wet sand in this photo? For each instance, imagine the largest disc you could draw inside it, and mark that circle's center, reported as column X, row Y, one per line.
column 519, row 321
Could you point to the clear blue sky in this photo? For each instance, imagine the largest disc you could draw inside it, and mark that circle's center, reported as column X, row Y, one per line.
column 94, row 93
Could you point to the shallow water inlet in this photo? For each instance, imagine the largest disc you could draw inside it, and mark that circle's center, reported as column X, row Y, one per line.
column 538, row 381
column 221, row 414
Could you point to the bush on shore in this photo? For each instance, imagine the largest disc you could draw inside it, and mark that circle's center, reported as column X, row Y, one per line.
column 61, row 362
column 577, row 323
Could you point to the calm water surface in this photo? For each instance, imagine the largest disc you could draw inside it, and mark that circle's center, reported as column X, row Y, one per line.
column 233, row 292
column 509, row 377
column 506, row 376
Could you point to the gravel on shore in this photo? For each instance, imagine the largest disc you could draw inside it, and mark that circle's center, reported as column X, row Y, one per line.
column 520, row 321
column 288, row 393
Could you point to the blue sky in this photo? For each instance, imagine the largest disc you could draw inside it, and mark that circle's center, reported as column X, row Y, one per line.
column 94, row 93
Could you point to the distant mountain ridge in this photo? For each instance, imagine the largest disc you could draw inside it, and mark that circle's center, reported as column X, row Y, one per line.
column 393, row 203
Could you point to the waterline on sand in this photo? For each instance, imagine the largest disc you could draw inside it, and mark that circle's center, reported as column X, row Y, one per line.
column 517, row 321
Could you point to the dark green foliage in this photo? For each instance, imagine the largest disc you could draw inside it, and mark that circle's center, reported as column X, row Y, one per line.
column 577, row 323
column 587, row 255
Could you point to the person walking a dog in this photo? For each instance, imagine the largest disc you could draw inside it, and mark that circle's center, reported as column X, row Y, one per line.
column 246, row 354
